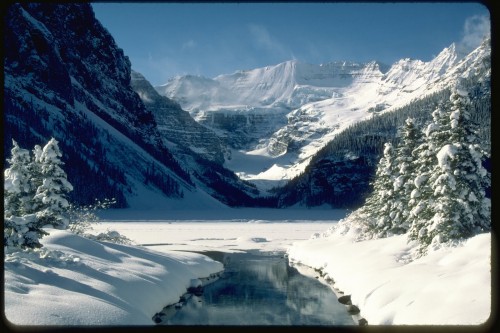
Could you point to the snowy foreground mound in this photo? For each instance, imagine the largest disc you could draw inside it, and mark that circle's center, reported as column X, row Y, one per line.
column 449, row 286
column 77, row 281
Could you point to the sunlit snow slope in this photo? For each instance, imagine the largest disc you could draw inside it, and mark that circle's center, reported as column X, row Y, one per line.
column 275, row 118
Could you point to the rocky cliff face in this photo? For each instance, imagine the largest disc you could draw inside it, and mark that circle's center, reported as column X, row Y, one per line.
column 176, row 125
column 243, row 129
column 251, row 108
column 63, row 50
column 66, row 78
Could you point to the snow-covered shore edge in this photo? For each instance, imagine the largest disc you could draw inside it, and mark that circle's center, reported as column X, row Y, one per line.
column 80, row 282
column 324, row 278
column 74, row 281
column 390, row 290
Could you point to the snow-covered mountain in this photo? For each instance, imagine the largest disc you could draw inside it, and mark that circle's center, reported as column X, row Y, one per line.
column 248, row 106
column 176, row 125
column 65, row 77
column 301, row 107
column 290, row 84
column 198, row 149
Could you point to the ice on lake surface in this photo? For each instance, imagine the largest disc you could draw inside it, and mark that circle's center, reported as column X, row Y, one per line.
column 225, row 236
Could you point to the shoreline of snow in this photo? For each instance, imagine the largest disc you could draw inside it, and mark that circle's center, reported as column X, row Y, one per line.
column 83, row 282
column 77, row 281
column 389, row 290
column 329, row 282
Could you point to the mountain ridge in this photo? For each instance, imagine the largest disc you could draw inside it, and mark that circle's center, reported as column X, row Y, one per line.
column 311, row 103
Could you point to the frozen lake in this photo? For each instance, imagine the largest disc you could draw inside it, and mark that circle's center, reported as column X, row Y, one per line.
column 258, row 286
column 226, row 230
column 225, row 236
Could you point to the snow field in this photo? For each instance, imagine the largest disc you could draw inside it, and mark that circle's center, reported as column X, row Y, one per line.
column 82, row 282
column 449, row 286
column 225, row 236
column 378, row 274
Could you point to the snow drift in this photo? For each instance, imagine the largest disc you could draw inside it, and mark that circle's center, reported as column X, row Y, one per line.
column 76, row 281
column 449, row 286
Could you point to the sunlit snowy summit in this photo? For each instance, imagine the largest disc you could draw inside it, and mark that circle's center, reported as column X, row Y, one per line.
column 289, row 111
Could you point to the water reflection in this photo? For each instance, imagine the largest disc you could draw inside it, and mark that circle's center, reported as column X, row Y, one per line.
column 261, row 290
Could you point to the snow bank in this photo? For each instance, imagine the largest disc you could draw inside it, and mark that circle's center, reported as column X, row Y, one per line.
column 450, row 286
column 76, row 281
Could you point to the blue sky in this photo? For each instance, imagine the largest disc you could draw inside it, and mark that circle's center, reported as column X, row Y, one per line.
column 166, row 39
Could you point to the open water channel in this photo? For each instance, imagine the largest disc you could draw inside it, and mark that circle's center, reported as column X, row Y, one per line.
column 258, row 289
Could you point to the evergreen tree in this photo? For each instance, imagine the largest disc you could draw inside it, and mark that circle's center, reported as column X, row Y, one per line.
column 35, row 168
column 458, row 180
column 50, row 199
column 421, row 199
column 22, row 231
column 17, row 184
column 378, row 206
column 449, row 200
column 20, row 225
column 403, row 184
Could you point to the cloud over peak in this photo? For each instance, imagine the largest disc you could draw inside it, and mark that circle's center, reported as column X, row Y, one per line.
column 476, row 28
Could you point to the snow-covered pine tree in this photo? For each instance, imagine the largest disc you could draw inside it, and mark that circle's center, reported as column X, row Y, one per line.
column 378, row 206
column 50, row 199
column 17, row 184
column 22, row 231
column 35, row 168
column 421, row 201
column 458, row 180
column 20, row 225
column 411, row 138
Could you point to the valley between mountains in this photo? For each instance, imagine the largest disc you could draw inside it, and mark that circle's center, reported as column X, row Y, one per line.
column 254, row 138
column 370, row 180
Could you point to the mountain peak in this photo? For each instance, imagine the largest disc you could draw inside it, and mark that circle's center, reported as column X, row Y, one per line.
column 450, row 51
column 136, row 75
column 375, row 64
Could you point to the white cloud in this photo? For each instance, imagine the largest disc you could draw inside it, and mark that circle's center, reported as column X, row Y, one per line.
column 475, row 29
column 263, row 39
column 190, row 44
column 161, row 68
column 261, row 36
